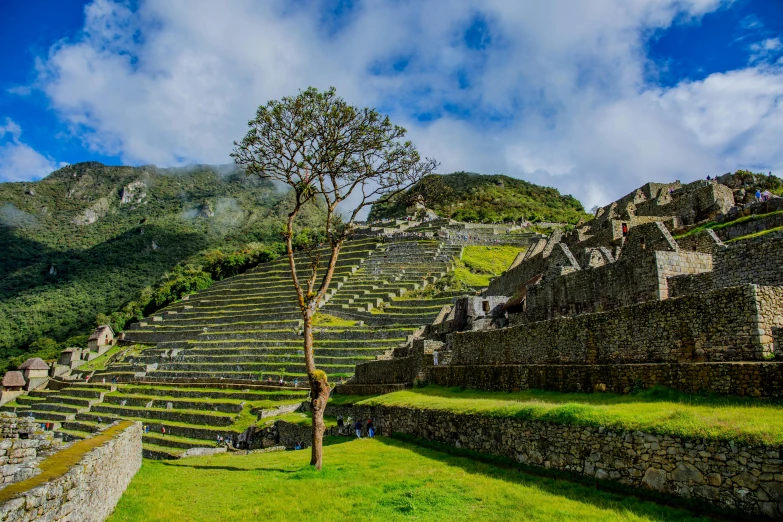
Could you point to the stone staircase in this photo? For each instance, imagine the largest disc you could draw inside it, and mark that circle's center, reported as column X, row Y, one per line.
column 204, row 366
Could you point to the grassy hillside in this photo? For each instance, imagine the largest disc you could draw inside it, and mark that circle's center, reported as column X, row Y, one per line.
column 486, row 199
column 89, row 238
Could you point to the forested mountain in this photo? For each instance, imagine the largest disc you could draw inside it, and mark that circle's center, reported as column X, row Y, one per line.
column 89, row 238
column 485, row 199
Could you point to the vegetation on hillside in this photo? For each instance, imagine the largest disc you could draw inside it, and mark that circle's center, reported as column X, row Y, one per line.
column 155, row 235
column 484, row 199
column 369, row 479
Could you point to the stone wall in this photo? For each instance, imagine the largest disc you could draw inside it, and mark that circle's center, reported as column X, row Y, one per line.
column 22, row 446
column 744, row 478
column 89, row 490
column 690, row 284
column 756, row 379
column 751, row 226
column 758, row 260
column 706, row 242
column 632, row 279
column 388, row 371
column 728, row 324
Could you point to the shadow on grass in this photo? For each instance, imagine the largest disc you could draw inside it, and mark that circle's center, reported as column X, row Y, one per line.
column 182, row 463
column 602, row 494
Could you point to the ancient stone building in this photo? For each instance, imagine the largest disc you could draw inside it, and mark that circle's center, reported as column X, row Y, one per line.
column 101, row 339
column 617, row 304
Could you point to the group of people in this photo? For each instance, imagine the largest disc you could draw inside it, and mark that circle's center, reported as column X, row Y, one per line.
column 223, row 441
column 358, row 426
column 763, row 196
column 280, row 382
column 146, row 429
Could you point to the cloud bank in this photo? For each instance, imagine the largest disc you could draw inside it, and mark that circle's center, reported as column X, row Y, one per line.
column 560, row 93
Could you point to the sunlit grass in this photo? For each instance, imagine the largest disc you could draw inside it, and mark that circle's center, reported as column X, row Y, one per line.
column 661, row 411
column 367, row 479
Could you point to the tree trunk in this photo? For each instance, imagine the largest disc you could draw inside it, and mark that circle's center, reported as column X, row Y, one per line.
column 319, row 393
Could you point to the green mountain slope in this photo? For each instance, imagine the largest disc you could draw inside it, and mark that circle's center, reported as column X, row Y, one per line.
column 90, row 237
column 484, row 198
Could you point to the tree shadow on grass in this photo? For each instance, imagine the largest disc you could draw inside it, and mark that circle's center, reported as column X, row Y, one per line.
column 328, row 441
column 602, row 494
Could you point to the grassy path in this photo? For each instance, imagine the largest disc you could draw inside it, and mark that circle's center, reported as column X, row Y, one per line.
column 369, row 479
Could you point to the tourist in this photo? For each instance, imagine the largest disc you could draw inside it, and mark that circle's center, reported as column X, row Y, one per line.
column 163, row 431
column 370, row 428
column 104, row 380
column 358, row 428
column 435, row 357
column 296, row 383
column 340, row 424
column 217, row 440
column 758, row 195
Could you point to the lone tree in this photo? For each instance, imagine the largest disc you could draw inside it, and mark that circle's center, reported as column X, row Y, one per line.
column 343, row 158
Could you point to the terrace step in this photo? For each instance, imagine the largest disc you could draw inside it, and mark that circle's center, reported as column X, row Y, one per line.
column 183, row 416
column 172, row 441
column 154, row 452
column 143, row 401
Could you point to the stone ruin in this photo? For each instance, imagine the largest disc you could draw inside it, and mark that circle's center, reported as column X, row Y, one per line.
column 618, row 304
column 23, row 444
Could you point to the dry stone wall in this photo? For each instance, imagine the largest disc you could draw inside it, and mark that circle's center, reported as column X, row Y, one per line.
column 632, row 279
column 89, row 491
column 684, row 329
column 22, row 446
column 758, row 260
column 756, row 379
column 742, row 477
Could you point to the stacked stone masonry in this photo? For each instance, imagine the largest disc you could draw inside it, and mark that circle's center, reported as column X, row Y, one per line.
column 89, row 491
column 737, row 477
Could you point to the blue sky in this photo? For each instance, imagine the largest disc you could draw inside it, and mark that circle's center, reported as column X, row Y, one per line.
column 594, row 98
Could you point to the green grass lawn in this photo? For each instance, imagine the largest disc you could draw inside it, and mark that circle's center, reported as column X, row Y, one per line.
column 99, row 363
column 368, row 479
column 480, row 264
column 661, row 411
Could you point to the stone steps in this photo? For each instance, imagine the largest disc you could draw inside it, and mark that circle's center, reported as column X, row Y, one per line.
column 154, row 452
column 196, row 417
column 291, row 357
column 143, row 401
column 172, row 441
column 207, row 433
column 214, row 393
column 255, row 367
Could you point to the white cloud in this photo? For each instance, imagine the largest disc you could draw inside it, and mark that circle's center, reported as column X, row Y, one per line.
column 765, row 49
column 558, row 97
column 19, row 161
